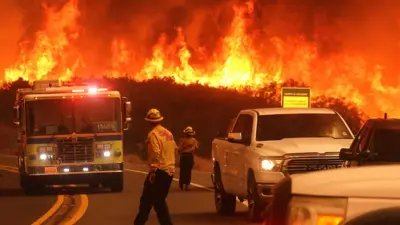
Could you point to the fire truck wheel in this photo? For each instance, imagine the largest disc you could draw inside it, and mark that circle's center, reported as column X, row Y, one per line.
column 94, row 185
column 117, row 183
column 22, row 180
column 29, row 186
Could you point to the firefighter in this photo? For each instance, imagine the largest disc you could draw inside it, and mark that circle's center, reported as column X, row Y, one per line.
column 187, row 146
column 161, row 156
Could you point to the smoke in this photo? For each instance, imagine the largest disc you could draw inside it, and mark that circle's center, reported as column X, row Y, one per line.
column 10, row 32
column 355, row 27
column 142, row 21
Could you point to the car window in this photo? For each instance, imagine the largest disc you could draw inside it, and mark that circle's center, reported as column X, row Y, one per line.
column 277, row 127
column 248, row 126
column 238, row 125
column 385, row 144
column 244, row 125
column 355, row 143
column 364, row 140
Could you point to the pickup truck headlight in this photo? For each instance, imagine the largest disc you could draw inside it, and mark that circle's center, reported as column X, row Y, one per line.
column 104, row 149
column 270, row 164
column 46, row 152
column 316, row 210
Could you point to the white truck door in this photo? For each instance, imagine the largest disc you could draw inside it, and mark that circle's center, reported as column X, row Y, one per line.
column 237, row 154
column 223, row 155
column 224, row 164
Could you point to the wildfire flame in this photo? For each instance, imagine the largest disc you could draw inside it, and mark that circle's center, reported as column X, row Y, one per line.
column 237, row 65
column 52, row 55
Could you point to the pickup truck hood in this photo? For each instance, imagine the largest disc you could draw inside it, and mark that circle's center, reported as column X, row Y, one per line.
column 362, row 182
column 303, row 145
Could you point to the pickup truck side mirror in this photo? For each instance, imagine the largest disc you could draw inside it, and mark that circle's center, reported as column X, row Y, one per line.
column 238, row 138
column 235, row 137
column 347, row 154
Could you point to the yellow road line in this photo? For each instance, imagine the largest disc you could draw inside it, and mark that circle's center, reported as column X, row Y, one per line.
column 81, row 211
column 84, row 203
column 52, row 210
column 8, row 167
column 12, row 171
column 11, row 167
column 9, row 170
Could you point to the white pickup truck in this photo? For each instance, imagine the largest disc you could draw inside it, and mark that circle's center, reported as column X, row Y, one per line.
column 334, row 196
column 265, row 145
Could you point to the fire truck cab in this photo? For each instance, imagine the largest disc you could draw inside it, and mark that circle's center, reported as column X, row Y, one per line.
column 70, row 134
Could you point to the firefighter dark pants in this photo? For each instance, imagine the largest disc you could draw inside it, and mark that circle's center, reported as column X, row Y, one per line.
column 186, row 165
column 154, row 194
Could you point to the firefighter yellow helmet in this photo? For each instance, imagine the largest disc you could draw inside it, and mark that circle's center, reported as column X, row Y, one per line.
column 189, row 131
column 153, row 115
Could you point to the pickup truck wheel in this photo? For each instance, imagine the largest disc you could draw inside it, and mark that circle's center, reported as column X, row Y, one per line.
column 256, row 206
column 225, row 203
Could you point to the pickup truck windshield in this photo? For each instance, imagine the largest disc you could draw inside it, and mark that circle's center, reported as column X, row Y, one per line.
column 386, row 143
column 65, row 116
column 277, row 127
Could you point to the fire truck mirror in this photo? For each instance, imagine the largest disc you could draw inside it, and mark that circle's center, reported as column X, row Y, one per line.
column 127, row 125
column 128, row 110
column 16, row 115
column 128, row 115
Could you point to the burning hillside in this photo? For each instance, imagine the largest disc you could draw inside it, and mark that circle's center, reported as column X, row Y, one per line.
column 238, row 45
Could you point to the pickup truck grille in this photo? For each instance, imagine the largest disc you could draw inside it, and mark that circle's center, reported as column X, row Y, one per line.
column 80, row 150
column 303, row 165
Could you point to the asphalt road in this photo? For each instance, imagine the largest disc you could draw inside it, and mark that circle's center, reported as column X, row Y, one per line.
column 13, row 201
column 186, row 208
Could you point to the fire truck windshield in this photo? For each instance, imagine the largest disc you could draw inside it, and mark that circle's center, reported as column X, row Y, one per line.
column 65, row 116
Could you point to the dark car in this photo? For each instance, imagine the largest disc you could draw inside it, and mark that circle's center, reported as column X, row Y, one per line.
column 337, row 197
column 386, row 216
column 378, row 142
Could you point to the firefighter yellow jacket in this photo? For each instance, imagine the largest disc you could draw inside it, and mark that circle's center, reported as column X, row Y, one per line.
column 188, row 145
column 161, row 148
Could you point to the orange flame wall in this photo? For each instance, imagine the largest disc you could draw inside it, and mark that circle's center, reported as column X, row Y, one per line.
column 246, row 57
